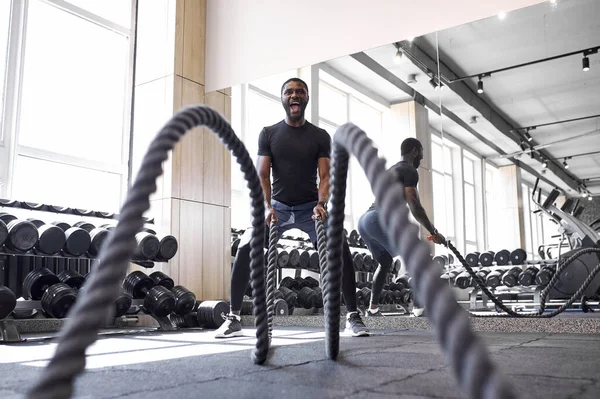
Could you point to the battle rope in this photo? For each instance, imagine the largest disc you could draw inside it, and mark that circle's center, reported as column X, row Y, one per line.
column 477, row 375
column 322, row 250
column 94, row 303
column 271, row 271
column 545, row 291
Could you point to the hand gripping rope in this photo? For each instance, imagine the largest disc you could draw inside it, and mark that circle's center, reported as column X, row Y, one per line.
column 477, row 375
column 94, row 303
column 545, row 291
column 271, row 271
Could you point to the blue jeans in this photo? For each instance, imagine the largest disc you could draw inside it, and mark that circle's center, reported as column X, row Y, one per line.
column 373, row 235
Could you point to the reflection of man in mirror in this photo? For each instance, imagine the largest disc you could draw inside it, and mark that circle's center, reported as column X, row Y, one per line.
column 373, row 234
column 295, row 150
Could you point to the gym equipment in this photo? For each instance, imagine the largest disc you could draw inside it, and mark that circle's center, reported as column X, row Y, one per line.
column 271, row 275
column 518, row 256
column 467, row 354
column 211, row 314
column 56, row 297
column 527, row 276
column 3, row 232
column 470, row 360
column 51, row 238
column 158, row 300
column 8, row 301
column 184, row 300
column 502, row 257
column 77, row 240
column 159, row 278
column 97, row 237
column 487, row 258
column 148, row 246
column 22, row 235
column 167, row 248
column 472, row 259
column 511, row 277
column 544, row 275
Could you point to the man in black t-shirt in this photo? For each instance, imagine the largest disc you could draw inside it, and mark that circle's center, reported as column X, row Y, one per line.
column 372, row 232
column 295, row 150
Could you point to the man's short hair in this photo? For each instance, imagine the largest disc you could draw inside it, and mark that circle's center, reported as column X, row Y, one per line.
column 409, row 144
column 294, row 80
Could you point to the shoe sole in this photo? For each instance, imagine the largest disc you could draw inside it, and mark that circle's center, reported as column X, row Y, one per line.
column 233, row 334
column 363, row 333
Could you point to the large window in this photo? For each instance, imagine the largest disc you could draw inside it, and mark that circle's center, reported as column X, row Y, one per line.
column 470, row 205
column 4, row 27
column 443, row 190
column 534, row 229
column 71, row 101
column 493, row 233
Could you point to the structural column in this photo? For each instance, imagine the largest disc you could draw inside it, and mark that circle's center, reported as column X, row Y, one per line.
column 509, row 209
column 193, row 196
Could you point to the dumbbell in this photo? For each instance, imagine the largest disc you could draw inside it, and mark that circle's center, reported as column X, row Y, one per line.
column 487, row 258
column 312, row 282
column 313, row 259
column 211, row 314
column 527, row 276
column 307, row 298
column 283, row 257
column 494, row 278
column 404, row 280
column 293, row 257
column 167, row 246
column 462, row 281
column 97, row 236
column 289, row 283
column 353, row 238
column 440, row 260
column 56, row 297
column 280, row 307
column 518, row 256
column 158, row 300
column 7, row 202
column 502, row 257
column 368, row 263
column 184, row 298
column 8, row 301
column 21, row 235
column 234, row 246
column 545, row 274
column 77, row 240
column 472, row 259
column 34, row 206
column 511, row 277
column 148, row 246
column 358, row 261
column 51, row 238
column 482, row 276
column 304, row 259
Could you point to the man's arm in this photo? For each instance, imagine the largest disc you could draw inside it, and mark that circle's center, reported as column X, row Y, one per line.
column 414, row 203
column 323, row 179
column 264, row 173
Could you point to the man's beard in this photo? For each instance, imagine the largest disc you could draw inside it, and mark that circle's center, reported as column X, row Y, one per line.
column 417, row 163
column 299, row 115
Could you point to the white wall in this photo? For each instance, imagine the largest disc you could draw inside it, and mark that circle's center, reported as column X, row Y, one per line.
column 242, row 37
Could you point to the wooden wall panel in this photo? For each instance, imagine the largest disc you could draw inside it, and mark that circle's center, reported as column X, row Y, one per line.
column 191, row 164
column 217, row 161
column 194, row 40
column 192, row 248
column 215, row 260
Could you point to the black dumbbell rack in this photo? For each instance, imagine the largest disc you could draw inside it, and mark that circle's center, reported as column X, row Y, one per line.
column 15, row 265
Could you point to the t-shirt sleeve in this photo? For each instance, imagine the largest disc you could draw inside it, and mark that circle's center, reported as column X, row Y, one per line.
column 324, row 145
column 264, row 146
column 411, row 178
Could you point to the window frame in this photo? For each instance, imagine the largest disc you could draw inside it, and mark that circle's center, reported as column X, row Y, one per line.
column 10, row 149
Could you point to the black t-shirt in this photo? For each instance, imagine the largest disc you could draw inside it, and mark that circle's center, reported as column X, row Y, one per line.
column 406, row 174
column 294, row 153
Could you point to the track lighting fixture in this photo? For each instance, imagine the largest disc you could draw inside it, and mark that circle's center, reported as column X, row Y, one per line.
column 565, row 164
column 398, row 57
column 433, row 83
column 480, row 86
column 589, row 196
column 544, row 163
column 502, row 14
column 527, row 136
column 586, row 64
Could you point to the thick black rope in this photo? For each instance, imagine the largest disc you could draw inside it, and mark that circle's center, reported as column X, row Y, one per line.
column 271, row 271
column 477, row 375
column 322, row 250
column 545, row 291
column 95, row 303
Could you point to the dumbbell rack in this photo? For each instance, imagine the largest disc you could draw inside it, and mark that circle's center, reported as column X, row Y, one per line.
column 16, row 265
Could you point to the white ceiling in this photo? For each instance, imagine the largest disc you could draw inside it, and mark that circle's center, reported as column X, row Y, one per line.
column 542, row 93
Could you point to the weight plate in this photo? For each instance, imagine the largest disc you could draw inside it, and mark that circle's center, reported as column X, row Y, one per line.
column 58, row 299
column 32, row 205
column 281, row 308
column 3, row 232
column 37, row 282
column 159, row 301
column 77, row 241
column 58, row 208
column 304, row 259
column 502, row 257
column 159, row 278
column 211, row 314
column 97, row 236
column 64, row 226
column 85, row 225
column 573, row 276
column 122, row 303
column 148, row 246
column 168, row 247
column 52, row 239
column 22, row 235
column 518, row 256
column 8, row 301
column 283, row 258
column 82, row 212
column 71, row 278
column 184, row 300
column 137, row 284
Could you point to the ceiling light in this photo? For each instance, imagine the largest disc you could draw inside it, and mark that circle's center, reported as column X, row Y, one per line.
column 398, row 57
column 528, row 136
column 584, row 194
column 586, row 64
column 545, row 163
column 589, row 196
column 412, row 78
column 502, row 15
column 553, row 1
column 433, row 83
column 473, row 120
column 565, row 164
column 480, row 87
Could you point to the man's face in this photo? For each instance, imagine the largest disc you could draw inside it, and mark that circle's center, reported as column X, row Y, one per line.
column 294, row 99
column 418, row 157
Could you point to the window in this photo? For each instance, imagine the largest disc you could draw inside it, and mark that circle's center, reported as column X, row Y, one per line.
column 470, row 202
column 72, row 101
column 492, row 220
column 333, row 104
column 527, row 222
column 443, row 191
column 534, row 224
column 4, row 27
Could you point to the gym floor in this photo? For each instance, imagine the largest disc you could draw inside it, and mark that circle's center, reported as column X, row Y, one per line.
column 405, row 364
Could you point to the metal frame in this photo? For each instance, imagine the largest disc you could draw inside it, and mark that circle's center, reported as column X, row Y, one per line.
column 13, row 90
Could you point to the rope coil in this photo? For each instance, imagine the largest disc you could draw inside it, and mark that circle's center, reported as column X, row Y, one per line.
column 95, row 303
column 477, row 375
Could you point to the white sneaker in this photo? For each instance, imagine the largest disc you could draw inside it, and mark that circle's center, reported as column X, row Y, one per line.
column 417, row 312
